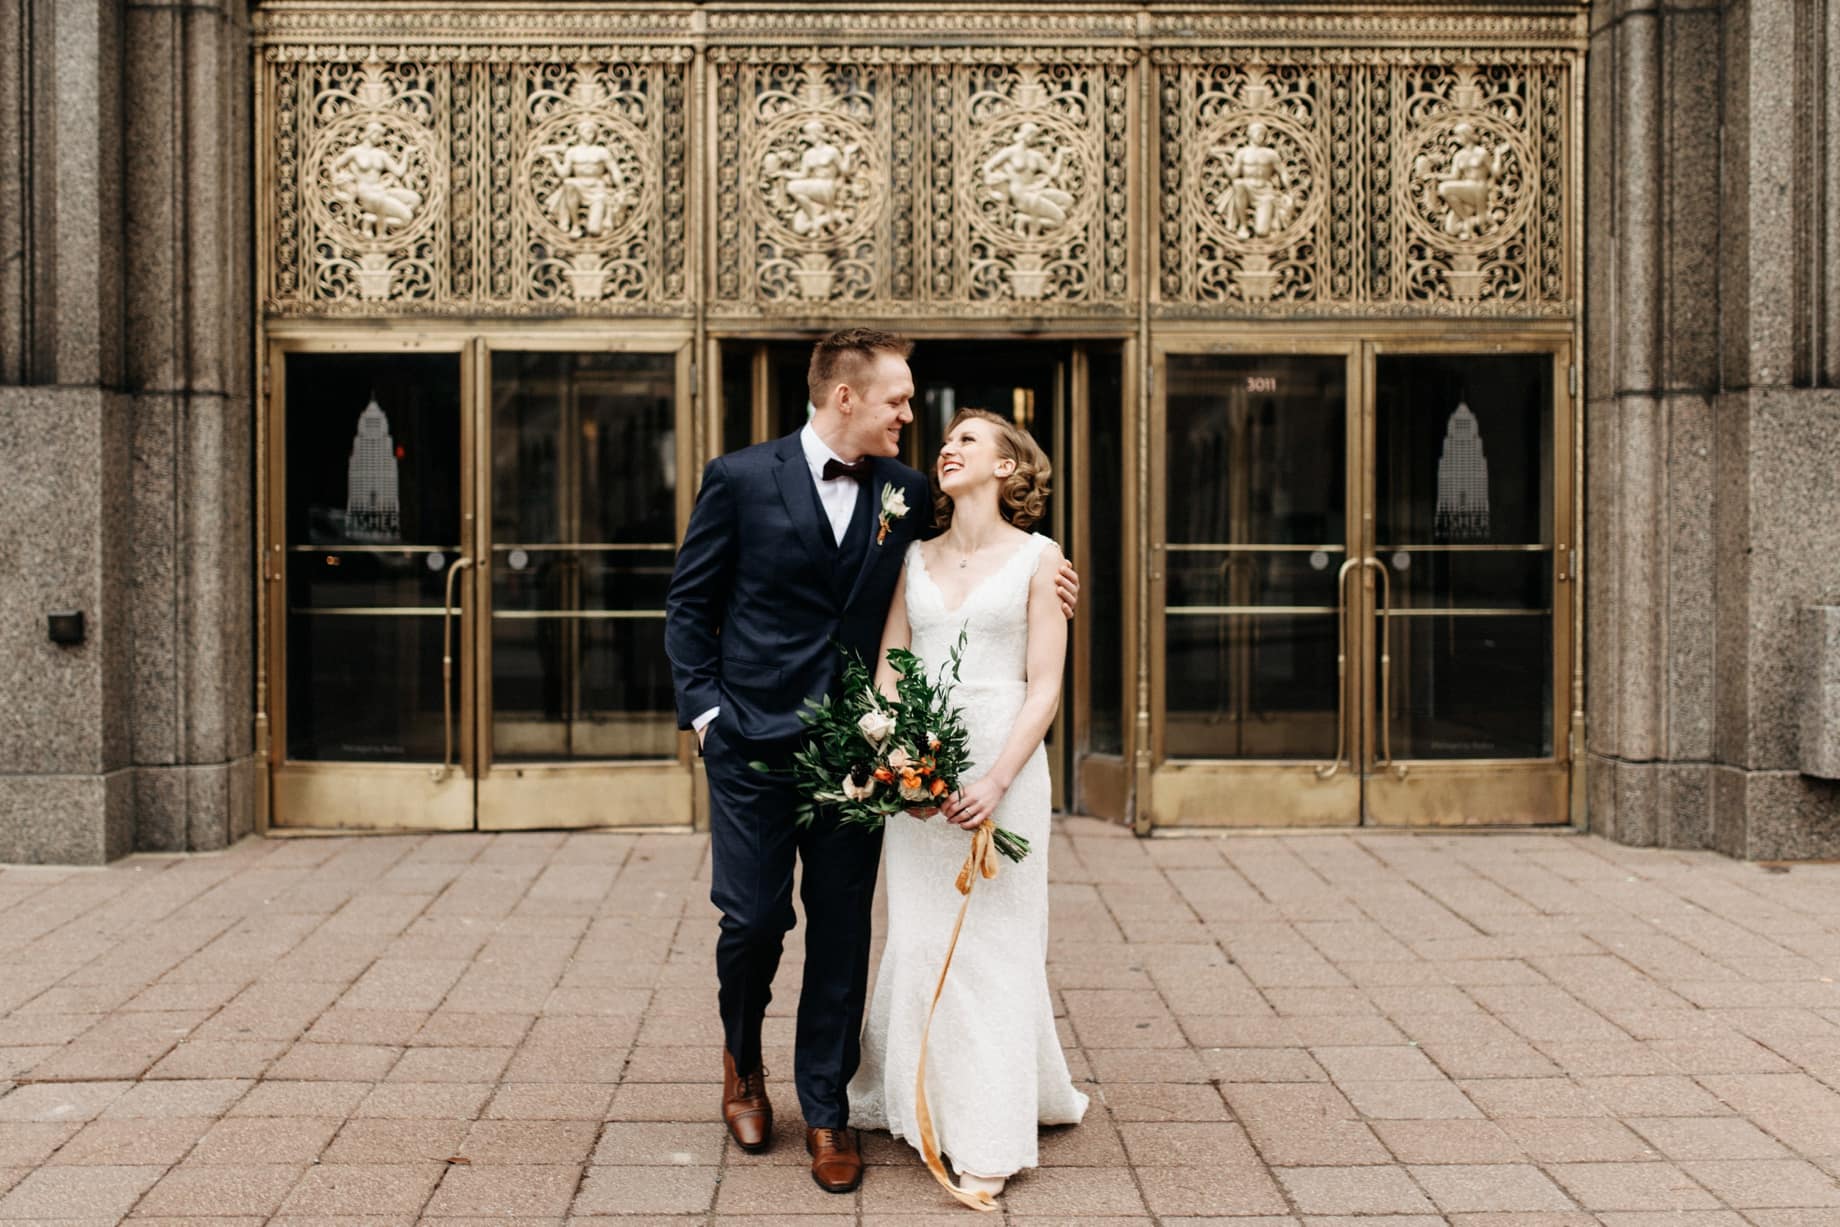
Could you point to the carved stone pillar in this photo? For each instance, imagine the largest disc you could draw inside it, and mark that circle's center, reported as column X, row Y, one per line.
column 1713, row 437
column 125, row 324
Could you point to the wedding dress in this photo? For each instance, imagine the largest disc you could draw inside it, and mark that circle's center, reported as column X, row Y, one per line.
column 995, row 1070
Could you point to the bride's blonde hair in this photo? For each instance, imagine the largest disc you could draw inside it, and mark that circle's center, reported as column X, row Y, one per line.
column 1023, row 496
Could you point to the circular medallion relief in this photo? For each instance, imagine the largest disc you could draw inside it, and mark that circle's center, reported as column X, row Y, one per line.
column 374, row 180
column 586, row 186
column 816, row 177
column 1258, row 186
column 1465, row 182
column 1033, row 182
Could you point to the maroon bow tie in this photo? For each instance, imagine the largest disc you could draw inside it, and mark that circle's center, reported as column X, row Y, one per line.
column 856, row 471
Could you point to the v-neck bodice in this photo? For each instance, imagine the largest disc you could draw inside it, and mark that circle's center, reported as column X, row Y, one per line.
column 994, row 613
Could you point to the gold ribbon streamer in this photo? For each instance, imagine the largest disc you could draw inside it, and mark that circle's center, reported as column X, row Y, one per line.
column 980, row 862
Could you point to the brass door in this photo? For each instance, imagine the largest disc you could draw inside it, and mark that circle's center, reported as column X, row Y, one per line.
column 1362, row 585
column 1469, row 542
column 584, row 486
column 468, row 550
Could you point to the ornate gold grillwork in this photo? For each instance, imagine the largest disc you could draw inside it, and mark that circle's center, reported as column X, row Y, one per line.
column 422, row 180
column 940, row 161
column 888, row 179
column 1310, row 183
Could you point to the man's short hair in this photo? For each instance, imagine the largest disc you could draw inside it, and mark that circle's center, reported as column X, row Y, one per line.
column 844, row 356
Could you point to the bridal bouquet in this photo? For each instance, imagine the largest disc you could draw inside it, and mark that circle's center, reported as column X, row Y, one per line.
column 866, row 757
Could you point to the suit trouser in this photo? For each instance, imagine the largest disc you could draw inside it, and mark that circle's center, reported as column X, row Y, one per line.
column 753, row 843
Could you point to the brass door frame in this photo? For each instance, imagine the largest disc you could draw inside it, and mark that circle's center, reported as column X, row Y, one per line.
column 1436, row 792
column 1479, row 791
column 533, row 795
column 1247, row 792
column 356, row 795
column 406, row 796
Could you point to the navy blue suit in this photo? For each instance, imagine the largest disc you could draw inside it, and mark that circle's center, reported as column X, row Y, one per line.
column 760, row 599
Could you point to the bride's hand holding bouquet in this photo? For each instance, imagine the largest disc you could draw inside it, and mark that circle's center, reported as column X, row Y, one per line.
column 869, row 755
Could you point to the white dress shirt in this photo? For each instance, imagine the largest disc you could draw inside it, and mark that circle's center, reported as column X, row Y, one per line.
column 838, row 495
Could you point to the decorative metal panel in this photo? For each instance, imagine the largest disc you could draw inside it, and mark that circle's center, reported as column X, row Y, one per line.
column 1315, row 182
column 1083, row 161
column 893, row 179
column 478, row 179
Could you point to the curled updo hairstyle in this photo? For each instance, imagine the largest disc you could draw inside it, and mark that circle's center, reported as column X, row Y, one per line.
column 1023, row 495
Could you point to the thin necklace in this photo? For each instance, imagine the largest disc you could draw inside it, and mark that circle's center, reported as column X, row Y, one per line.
column 964, row 560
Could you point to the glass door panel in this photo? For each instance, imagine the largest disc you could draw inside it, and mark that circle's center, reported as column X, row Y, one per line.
column 1255, row 499
column 1367, row 622
column 584, row 491
column 1103, row 530
column 1466, row 527
column 370, row 608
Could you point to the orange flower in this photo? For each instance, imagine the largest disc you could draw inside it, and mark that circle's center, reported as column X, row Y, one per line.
column 938, row 787
column 884, row 775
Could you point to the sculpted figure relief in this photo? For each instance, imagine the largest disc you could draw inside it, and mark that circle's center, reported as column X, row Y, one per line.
column 592, row 187
column 820, row 187
column 1027, row 178
column 1257, row 200
column 1464, row 191
column 371, row 179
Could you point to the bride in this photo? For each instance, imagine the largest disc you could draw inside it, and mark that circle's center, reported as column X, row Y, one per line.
column 995, row 1070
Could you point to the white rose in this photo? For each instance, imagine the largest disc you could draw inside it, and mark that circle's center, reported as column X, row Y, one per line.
column 896, row 503
column 915, row 791
column 875, row 726
column 898, row 758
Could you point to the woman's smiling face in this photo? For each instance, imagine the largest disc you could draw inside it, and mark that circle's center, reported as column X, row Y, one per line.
column 970, row 457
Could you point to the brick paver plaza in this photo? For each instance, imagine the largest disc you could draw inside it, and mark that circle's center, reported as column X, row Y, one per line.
column 1374, row 1029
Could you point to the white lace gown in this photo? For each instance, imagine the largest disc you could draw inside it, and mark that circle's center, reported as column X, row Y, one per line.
column 995, row 1070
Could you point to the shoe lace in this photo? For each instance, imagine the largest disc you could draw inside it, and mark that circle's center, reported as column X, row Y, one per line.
column 830, row 1139
column 754, row 1085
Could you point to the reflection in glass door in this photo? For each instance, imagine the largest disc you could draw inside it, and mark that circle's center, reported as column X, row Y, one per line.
column 468, row 556
column 1466, row 497
column 1364, row 589
column 366, row 578
column 585, row 486
column 1256, row 533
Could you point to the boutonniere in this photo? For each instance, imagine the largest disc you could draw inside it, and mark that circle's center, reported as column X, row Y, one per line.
column 894, row 506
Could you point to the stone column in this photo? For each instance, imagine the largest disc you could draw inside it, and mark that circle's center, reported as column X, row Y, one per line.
column 126, row 321
column 1713, row 450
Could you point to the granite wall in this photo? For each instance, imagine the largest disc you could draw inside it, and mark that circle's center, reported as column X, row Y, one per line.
column 1713, row 426
column 125, row 334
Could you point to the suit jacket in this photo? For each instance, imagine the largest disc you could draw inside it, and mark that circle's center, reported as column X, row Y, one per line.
column 757, row 606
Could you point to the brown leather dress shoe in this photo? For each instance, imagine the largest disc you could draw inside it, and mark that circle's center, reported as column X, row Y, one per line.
column 836, row 1163
column 744, row 1106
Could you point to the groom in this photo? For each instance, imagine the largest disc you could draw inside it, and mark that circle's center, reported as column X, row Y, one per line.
column 794, row 547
